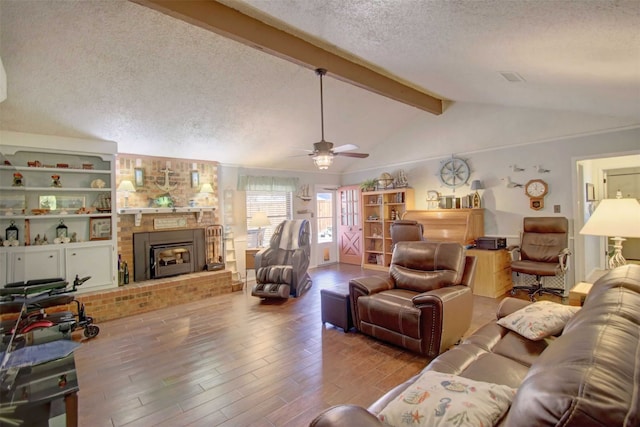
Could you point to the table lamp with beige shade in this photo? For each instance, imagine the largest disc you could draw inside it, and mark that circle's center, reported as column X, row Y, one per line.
column 260, row 220
column 616, row 218
column 206, row 189
column 126, row 187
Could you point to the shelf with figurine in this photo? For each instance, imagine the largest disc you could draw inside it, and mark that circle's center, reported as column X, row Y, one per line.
column 380, row 209
column 55, row 207
column 50, row 169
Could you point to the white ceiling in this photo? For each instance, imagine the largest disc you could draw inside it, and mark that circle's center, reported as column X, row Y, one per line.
column 119, row 71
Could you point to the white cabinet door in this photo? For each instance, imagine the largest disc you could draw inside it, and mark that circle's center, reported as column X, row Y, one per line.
column 43, row 263
column 5, row 269
column 95, row 261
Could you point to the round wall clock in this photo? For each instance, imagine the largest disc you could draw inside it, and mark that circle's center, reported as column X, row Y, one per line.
column 454, row 172
column 536, row 189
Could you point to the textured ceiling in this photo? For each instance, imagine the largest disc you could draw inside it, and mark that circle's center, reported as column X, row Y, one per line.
column 117, row 70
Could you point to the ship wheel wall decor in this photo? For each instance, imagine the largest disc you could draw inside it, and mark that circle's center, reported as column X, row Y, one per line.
column 454, row 172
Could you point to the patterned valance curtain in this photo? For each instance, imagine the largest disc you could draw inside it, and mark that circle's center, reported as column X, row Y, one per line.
column 267, row 183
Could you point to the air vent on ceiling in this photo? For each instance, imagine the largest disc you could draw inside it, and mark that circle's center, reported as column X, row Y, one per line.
column 512, row 77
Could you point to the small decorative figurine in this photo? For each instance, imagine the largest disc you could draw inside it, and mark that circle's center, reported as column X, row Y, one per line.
column 74, row 237
column 55, row 181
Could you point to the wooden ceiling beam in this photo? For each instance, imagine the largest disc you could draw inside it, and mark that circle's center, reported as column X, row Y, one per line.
column 233, row 24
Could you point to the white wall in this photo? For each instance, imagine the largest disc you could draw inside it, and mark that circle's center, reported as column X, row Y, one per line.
column 505, row 207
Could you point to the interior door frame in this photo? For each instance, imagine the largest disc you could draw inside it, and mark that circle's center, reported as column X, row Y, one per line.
column 601, row 164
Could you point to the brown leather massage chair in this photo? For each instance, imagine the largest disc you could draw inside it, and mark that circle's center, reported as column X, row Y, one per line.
column 425, row 303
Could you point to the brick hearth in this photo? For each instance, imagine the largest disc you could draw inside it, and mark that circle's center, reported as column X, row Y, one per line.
column 149, row 295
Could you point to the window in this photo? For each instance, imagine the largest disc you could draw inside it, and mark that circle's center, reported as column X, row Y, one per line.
column 324, row 203
column 276, row 204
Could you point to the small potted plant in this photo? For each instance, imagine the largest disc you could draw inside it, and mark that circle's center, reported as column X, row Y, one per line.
column 369, row 184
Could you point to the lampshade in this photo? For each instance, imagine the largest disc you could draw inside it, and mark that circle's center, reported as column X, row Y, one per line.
column 206, row 188
column 615, row 218
column 323, row 161
column 259, row 219
column 126, row 185
column 476, row 184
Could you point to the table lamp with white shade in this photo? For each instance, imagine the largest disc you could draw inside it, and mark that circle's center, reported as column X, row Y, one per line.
column 260, row 220
column 616, row 218
column 206, row 189
column 126, row 187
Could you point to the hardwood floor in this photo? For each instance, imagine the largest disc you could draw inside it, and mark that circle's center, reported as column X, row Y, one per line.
column 234, row 360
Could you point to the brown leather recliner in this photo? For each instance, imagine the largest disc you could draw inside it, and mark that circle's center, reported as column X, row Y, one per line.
column 406, row 230
column 426, row 302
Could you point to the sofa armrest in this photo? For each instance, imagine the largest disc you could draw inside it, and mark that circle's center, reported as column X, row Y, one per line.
column 451, row 309
column 510, row 305
column 363, row 286
column 370, row 285
column 346, row 416
column 440, row 296
column 263, row 257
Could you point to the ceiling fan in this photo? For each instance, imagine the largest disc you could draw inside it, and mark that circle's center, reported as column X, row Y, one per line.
column 324, row 151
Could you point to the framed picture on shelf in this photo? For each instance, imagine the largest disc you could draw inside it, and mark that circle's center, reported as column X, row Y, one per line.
column 195, row 179
column 138, row 177
column 99, row 228
column 12, row 202
column 57, row 203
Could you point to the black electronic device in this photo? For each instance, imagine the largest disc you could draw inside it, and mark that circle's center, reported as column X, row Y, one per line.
column 491, row 243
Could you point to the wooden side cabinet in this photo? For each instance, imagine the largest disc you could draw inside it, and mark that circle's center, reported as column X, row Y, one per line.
column 578, row 293
column 493, row 272
column 249, row 262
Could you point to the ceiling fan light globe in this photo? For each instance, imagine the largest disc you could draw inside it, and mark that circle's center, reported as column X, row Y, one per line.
column 323, row 161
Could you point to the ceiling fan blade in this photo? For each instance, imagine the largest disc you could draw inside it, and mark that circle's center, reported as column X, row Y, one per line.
column 345, row 147
column 358, row 155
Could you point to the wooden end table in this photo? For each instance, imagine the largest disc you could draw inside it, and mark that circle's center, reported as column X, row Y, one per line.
column 578, row 293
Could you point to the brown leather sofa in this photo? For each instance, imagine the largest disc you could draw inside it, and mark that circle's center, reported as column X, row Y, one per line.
column 425, row 304
column 588, row 376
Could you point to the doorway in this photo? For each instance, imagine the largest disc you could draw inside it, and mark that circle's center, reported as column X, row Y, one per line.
column 590, row 256
column 627, row 182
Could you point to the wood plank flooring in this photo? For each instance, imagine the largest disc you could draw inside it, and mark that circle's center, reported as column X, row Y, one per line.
column 234, row 360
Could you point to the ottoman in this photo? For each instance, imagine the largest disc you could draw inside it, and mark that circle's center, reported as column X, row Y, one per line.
column 335, row 307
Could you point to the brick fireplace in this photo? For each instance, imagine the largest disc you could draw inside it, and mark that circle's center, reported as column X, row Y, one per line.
column 146, row 293
column 158, row 254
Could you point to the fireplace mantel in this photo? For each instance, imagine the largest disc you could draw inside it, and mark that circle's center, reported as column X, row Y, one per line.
column 138, row 212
